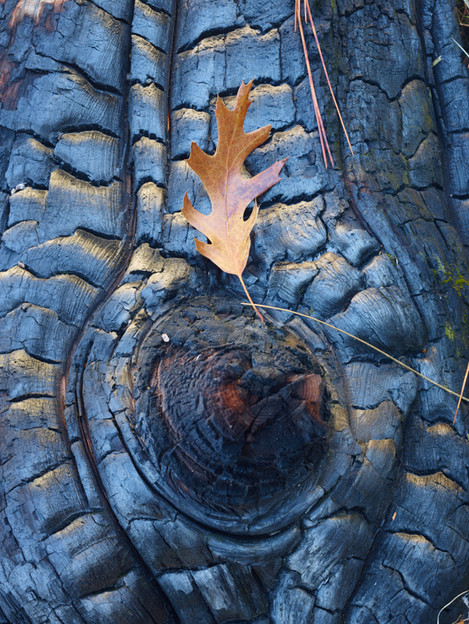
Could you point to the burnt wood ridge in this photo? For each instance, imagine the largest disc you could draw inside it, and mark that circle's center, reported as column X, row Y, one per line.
column 165, row 458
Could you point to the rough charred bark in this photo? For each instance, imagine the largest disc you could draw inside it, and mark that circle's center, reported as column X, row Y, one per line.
column 164, row 457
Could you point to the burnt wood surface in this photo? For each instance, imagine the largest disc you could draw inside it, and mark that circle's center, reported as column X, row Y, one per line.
column 165, row 458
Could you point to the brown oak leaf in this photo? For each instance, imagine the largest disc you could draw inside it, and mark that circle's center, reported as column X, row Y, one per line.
column 230, row 192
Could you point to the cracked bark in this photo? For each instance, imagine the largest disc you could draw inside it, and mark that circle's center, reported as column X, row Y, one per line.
column 164, row 458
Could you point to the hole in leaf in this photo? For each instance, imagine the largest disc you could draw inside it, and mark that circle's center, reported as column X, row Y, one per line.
column 248, row 211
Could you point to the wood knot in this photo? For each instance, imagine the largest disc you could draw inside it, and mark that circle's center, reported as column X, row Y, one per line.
column 237, row 432
column 230, row 417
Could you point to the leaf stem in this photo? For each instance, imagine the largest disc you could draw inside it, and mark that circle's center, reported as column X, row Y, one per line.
column 251, row 302
column 342, row 331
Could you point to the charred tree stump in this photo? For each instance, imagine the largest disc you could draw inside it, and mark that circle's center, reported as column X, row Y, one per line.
column 165, row 458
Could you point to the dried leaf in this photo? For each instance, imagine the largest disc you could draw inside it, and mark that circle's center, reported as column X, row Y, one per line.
column 229, row 191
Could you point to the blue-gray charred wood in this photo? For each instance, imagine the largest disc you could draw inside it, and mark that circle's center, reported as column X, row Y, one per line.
column 166, row 458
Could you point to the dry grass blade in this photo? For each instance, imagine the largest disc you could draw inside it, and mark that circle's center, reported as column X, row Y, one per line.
column 367, row 344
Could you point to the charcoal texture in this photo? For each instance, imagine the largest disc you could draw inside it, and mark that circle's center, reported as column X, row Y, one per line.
column 166, row 458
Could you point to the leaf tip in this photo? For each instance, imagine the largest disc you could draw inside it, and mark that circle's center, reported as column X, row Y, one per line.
column 187, row 208
column 242, row 96
column 279, row 166
column 246, row 88
column 186, row 202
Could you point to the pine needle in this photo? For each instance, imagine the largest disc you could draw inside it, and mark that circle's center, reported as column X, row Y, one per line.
column 449, row 604
column 367, row 344
column 460, row 47
column 327, row 76
column 322, row 134
column 326, row 152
